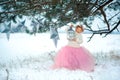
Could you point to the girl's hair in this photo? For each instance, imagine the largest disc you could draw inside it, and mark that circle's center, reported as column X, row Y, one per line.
column 79, row 26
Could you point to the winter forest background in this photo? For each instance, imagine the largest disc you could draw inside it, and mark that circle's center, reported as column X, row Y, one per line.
column 31, row 29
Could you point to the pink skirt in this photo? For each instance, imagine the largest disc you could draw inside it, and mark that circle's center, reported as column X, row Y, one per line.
column 74, row 58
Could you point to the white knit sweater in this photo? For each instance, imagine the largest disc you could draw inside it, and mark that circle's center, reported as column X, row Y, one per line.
column 78, row 41
column 79, row 38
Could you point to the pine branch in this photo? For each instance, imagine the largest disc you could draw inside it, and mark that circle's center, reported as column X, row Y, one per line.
column 115, row 27
column 6, row 2
column 105, row 18
column 113, row 16
column 90, row 37
column 102, row 6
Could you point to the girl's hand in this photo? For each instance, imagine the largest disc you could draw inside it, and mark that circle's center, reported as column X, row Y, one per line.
column 74, row 39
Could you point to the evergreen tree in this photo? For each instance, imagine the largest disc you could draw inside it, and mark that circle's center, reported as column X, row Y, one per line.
column 60, row 12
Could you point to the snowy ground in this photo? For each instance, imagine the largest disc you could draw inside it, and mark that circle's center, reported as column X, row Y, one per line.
column 29, row 57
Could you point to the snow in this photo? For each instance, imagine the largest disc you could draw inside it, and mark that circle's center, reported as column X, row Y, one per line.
column 29, row 57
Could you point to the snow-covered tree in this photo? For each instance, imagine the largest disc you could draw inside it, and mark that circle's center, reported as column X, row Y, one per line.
column 60, row 12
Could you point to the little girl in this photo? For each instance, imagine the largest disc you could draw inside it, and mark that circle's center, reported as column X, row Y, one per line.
column 77, row 39
column 73, row 56
column 79, row 30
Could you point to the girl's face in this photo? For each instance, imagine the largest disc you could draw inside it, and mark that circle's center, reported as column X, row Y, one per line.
column 79, row 30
